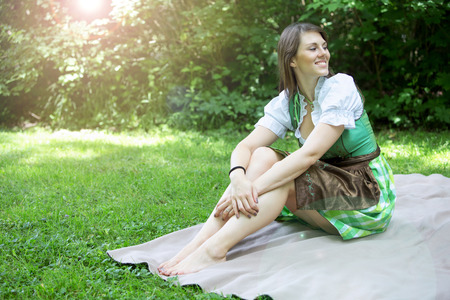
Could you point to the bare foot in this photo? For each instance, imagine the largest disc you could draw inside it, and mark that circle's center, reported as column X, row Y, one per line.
column 185, row 252
column 201, row 258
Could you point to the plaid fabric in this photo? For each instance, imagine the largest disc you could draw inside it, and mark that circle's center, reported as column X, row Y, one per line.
column 359, row 223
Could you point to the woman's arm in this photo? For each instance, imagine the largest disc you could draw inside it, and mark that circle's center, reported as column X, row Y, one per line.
column 241, row 192
column 319, row 141
column 259, row 137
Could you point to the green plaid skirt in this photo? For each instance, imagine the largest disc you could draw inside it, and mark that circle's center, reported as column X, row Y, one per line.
column 358, row 223
column 375, row 219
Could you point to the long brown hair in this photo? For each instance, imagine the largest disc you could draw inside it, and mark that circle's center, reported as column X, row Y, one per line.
column 287, row 49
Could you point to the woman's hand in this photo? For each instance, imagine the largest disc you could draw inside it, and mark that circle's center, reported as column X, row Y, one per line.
column 240, row 197
column 224, row 206
column 227, row 213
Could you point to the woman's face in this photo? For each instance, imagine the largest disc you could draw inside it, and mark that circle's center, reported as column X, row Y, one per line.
column 312, row 56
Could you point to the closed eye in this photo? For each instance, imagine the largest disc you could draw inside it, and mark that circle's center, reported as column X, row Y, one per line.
column 314, row 49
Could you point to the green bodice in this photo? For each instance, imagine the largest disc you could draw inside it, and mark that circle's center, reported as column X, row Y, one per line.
column 353, row 142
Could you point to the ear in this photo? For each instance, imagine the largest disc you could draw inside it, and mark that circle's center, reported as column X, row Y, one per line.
column 293, row 64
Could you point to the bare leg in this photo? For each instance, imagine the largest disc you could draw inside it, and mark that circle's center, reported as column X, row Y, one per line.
column 214, row 249
column 211, row 226
column 312, row 217
column 315, row 219
column 261, row 160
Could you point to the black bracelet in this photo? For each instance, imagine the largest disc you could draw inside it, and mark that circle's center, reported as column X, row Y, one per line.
column 237, row 167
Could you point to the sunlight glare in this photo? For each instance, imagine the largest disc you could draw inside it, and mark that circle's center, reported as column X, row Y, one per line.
column 90, row 6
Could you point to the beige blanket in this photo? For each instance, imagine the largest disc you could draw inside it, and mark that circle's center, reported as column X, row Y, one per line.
column 287, row 260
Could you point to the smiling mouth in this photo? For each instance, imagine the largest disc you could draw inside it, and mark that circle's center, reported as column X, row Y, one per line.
column 321, row 62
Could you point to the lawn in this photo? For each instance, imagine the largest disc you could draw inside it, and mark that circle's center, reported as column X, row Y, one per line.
column 67, row 197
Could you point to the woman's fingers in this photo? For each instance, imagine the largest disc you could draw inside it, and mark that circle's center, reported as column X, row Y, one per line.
column 235, row 207
column 250, row 207
column 220, row 209
column 242, row 208
column 222, row 201
column 245, row 208
column 225, row 197
column 229, row 206
column 227, row 210
column 228, row 213
column 250, row 202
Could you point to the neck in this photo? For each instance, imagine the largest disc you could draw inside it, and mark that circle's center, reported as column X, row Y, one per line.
column 307, row 86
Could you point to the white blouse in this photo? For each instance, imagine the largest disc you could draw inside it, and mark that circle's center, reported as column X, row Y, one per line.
column 337, row 102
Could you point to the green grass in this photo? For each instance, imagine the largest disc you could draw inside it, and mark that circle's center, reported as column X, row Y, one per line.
column 67, row 197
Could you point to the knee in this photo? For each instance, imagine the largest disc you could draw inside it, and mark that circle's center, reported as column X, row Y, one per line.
column 264, row 157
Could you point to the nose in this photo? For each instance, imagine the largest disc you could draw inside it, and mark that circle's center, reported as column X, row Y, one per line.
column 322, row 51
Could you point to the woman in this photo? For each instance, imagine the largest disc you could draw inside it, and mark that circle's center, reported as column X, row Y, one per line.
column 349, row 192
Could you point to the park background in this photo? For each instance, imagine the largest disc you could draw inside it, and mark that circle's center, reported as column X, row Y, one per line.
column 116, row 127
column 211, row 64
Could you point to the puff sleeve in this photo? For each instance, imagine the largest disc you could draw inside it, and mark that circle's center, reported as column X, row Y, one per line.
column 340, row 102
column 276, row 116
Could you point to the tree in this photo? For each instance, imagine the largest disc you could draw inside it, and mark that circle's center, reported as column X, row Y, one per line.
column 209, row 64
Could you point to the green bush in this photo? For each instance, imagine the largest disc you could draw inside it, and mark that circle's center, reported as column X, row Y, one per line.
column 208, row 64
column 397, row 53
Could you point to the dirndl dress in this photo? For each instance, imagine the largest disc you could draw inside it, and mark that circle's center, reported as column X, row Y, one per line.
column 352, row 221
column 374, row 219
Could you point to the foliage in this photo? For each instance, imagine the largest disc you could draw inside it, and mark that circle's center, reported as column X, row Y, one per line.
column 397, row 52
column 208, row 64
column 68, row 197
column 76, row 81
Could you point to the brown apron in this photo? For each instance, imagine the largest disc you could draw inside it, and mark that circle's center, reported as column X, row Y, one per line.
column 338, row 184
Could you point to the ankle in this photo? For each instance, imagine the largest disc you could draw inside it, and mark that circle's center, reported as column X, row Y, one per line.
column 216, row 251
